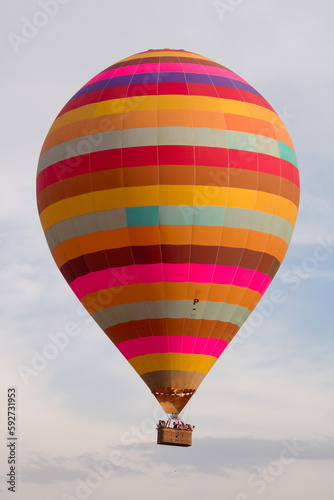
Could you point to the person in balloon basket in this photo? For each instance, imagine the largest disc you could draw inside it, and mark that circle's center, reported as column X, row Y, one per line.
column 161, row 423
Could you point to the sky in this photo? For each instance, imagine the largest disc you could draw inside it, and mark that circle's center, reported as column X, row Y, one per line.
column 85, row 423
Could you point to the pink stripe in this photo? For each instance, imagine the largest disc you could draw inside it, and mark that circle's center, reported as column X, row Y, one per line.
column 172, row 343
column 165, row 67
column 173, row 273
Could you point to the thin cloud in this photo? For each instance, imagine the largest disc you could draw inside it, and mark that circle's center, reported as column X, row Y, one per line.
column 225, row 454
column 44, row 470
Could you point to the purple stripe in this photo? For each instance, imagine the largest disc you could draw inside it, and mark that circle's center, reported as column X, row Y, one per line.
column 149, row 78
column 172, row 343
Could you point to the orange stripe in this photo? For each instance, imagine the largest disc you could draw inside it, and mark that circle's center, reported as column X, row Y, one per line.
column 168, row 235
column 181, row 54
column 230, row 294
column 165, row 174
column 166, row 118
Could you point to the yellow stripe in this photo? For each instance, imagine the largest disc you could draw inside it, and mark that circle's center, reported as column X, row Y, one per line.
column 166, row 102
column 173, row 361
column 144, row 196
column 164, row 53
column 166, row 118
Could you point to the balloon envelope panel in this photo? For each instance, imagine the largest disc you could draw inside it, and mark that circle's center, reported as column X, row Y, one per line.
column 168, row 190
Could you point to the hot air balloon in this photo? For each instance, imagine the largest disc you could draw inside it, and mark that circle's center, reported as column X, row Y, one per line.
column 168, row 190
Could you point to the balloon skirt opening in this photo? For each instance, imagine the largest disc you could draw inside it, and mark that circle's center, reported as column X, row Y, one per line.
column 173, row 401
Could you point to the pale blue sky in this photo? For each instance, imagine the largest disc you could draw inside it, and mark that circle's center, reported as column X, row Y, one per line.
column 264, row 414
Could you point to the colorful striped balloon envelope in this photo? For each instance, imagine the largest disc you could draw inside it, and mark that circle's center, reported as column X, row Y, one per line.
column 168, row 191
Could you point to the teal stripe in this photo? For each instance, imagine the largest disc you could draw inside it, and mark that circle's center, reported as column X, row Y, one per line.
column 170, row 215
column 142, row 216
column 287, row 153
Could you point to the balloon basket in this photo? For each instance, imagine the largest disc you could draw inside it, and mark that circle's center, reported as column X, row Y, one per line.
column 174, row 437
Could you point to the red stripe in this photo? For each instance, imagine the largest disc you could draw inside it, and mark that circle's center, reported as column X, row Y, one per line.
column 166, row 155
column 165, row 88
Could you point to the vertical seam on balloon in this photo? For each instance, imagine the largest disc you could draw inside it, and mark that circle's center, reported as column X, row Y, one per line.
column 273, row 216
column 278, row 198
column 215, row 322
column 228, row 211
column 74, row 230
column 255, row 201
column 142, row 360
column 105, row 313
column 75, row 235
column 274, row 212
column 165, row 319
column 185, row 322
column 295, row 188
column 48, row 199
